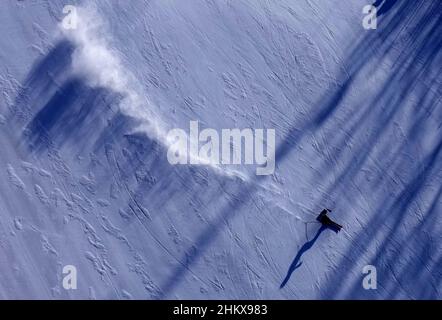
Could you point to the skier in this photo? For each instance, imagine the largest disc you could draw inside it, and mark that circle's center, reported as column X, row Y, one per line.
column 327, row 222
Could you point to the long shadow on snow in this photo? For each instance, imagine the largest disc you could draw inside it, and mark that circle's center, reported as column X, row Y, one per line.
column 296, row 264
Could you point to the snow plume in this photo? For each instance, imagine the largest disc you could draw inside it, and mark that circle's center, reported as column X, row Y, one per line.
column 95, row 61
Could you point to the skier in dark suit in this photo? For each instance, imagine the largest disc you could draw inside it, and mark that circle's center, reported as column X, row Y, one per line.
column 327, row 222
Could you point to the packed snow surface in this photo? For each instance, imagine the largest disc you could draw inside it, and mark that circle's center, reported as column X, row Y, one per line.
column 84, row 175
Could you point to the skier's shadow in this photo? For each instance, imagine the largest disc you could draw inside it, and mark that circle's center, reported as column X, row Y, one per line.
column 296, row 264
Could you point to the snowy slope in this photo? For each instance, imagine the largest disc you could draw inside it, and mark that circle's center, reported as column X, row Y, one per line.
column 84, row 178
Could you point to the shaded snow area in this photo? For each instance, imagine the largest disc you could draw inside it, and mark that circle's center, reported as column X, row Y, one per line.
column 85, row 179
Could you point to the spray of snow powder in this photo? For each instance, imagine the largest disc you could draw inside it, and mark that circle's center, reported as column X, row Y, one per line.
column 95, row 61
